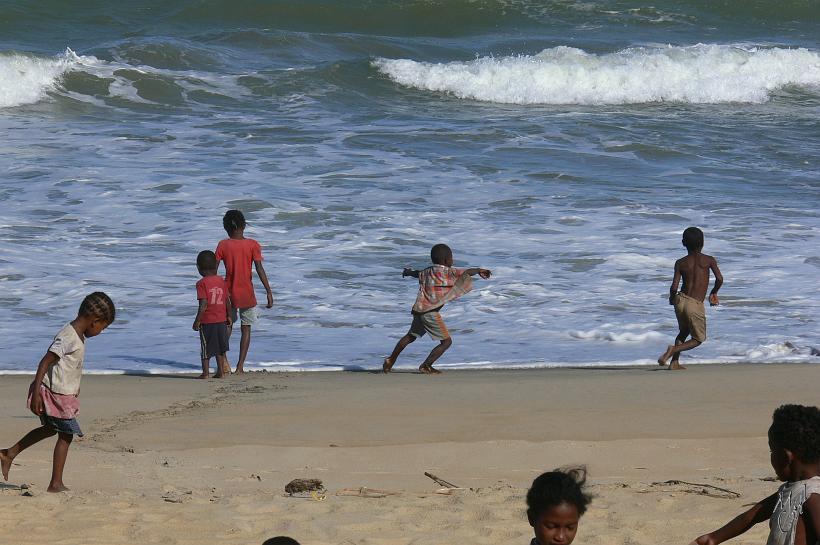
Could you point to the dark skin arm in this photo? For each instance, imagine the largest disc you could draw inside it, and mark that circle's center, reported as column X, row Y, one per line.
column 228, row 311
column 760, row 512
column 203, row 304
column 36, row 398
column 811, row 517
column 483, row 273
column 673, row 290
column 410, row 272
column 713, row 298
column 263, row 277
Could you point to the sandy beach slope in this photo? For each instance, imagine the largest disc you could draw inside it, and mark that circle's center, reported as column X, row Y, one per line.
column 172, row 460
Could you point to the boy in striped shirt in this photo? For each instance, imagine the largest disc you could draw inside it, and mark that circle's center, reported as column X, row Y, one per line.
column 438, row 284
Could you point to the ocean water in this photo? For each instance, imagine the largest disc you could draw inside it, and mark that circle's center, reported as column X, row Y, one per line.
column 563, row 144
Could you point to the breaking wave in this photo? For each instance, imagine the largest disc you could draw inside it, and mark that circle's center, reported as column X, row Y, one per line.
column 700, row 74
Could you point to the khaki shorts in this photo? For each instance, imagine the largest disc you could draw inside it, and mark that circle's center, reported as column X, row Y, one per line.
column 691, row 315
column 429, row 322
column 247, row 316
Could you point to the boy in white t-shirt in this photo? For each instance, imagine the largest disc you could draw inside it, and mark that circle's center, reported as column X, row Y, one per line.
column 53, row 396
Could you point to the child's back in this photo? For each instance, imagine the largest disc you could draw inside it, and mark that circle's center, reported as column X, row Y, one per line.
column 694, row 270
column 238, row 256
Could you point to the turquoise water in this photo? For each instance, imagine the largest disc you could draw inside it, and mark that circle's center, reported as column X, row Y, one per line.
column 565, row 145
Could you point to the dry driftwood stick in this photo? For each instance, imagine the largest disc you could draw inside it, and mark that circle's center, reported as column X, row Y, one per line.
column 440, row 482
column 731, row 493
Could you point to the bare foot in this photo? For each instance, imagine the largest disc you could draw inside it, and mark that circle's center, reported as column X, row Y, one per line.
column 675, row 366
column 219, row 375
column 239, row 371
column 5, row 463
column 666, row 355
column 57, row 488
column 387, row 365
column 429, row 370
column 203, row 375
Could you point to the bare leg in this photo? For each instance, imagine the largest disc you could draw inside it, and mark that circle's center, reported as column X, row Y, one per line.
column 244, row 343
column 31, row 438
column 60, row 454
column 223, row 367
column 674, row 349
column 206, row 368
column 401, row 345
column 435, row 353
column 675, row 363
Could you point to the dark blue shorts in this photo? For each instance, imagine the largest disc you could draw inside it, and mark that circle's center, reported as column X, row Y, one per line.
column 213, row 339
column 62, row 425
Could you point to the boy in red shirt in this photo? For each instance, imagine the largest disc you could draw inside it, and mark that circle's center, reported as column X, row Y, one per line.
column 214, row 315
column 238, row 253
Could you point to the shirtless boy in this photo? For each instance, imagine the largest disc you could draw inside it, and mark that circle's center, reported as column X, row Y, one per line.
column 694, row 269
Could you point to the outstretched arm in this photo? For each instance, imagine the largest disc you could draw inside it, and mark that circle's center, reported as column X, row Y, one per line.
column 673, row 289
column 410, row 272
column 713, row 298
column 483, row 273
column 760, row 512
column 260, row 270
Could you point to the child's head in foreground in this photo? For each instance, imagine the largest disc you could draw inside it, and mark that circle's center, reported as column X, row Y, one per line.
column 441, row 254
column 693, row 239
column 97, row 312
column 555, row 502
column 233, row 221
column 281, row 540
column 206, row 263
column 794, row 440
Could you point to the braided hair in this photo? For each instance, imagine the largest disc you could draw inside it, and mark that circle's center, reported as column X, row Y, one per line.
column 233, row 221
column 98, row 305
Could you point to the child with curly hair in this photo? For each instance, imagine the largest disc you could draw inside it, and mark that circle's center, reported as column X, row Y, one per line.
column 793, row 511
column 53, row 396
column 555, row 502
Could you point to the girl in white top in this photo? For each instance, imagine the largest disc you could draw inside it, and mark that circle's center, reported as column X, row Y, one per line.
column 793, row 511
column 53, row 396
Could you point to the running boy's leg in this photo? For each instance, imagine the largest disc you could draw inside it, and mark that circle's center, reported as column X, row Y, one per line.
column 401, row 345
column 435, row 353
column 33, row 437
column 60, row 454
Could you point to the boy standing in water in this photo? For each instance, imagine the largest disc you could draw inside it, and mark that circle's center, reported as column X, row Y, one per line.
column 694, row 269
column 438, row 284
column 238, row 253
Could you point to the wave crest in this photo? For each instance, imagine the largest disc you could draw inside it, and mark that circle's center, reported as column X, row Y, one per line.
column 25, row 79
column 567, row 75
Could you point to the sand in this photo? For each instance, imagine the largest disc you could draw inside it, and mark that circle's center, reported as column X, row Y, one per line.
column 170, row 460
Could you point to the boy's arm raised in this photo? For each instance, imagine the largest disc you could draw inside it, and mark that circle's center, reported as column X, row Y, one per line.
column 760, row 512
column 673, row 289
column 483, row 273
column 260, row 271
column 713, row 298
column 410, row 272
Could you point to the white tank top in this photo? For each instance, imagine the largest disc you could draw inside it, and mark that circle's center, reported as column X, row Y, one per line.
column 789, row 507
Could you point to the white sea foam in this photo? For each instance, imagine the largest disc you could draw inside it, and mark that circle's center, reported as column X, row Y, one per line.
column 703, row 73
column 25, row 79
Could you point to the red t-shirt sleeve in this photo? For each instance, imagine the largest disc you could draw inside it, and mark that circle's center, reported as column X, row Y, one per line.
column 219, row 252
column 201, row 292
column 257, row 252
